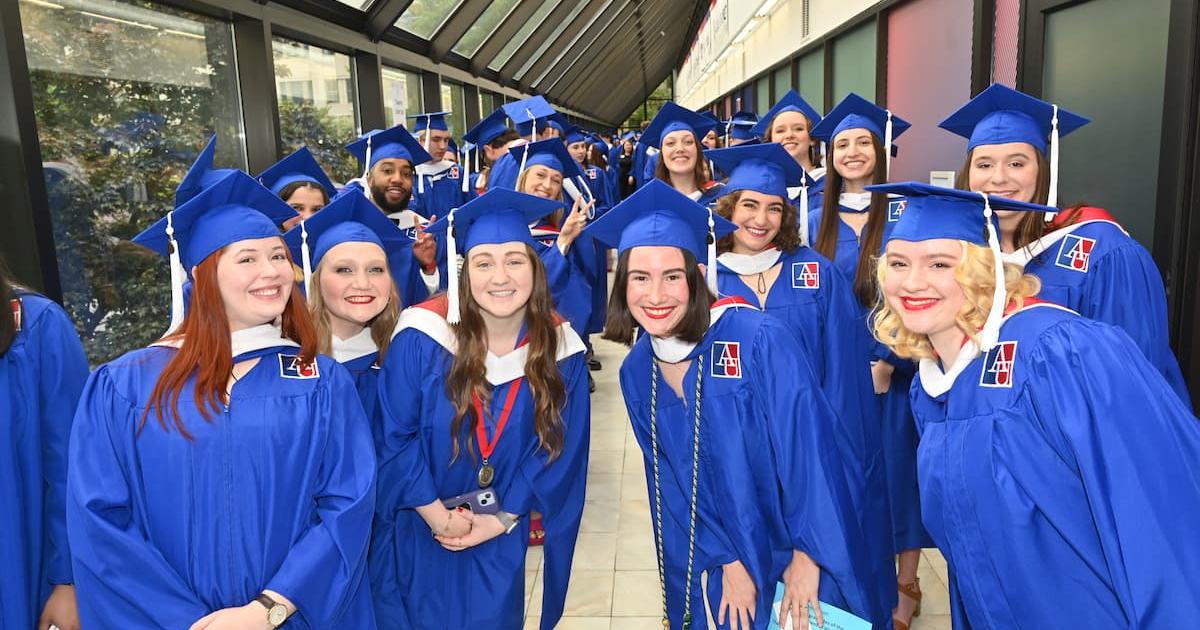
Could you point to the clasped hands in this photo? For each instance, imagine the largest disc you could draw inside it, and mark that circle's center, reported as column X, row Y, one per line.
column 460, row 529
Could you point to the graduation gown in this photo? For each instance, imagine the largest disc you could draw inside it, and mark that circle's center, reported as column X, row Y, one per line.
column 360, row 356
column 274, row 492
column 419, row 584
column 568, row 275
column 771, row 479
column 896, row 423
column 596, row 255
column 437, row 189
column 1061, row 479
column 1096, row 269
column 813, row 301
column 41, row 375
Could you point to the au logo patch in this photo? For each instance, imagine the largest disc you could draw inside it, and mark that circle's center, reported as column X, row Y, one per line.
column 806, row 275
column 727, row 359
column 290, row 366
column 896, row 209
column 1074, row 253
column 453, row 172
column 998, row 365
column 593, row 172
column 15, row 304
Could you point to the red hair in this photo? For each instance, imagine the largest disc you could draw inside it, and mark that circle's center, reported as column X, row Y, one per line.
column 205, row 348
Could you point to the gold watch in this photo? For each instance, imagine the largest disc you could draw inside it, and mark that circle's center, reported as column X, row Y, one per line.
column 277, row 613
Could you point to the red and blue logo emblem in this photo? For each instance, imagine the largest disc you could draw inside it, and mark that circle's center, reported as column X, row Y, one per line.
column 453, row 172
column 998, row 365
column 896, row 209
column 806, row 275
column 727, row 359
column 15, row 304
column 1074, row 253
column 290, row 366
column 593, row 172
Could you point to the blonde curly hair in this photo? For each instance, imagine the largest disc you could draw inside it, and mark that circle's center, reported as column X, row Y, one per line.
column 975, row 273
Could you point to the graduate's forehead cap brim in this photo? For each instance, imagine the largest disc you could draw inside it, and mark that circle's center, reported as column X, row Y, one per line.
column 673, row 117
column 764, row 168
column 549, row 153
column 932, row 212
column 856, row 112
column 497, row 216
column 331, row 226
column 430, row 120
column 300, row 166
column 395, row 142
column 488, row 129
column 1000, row 115
column 658, row 215
column 790, row 102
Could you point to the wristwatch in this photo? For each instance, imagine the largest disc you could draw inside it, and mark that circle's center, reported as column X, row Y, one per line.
column 508, row 520
column 277, row 613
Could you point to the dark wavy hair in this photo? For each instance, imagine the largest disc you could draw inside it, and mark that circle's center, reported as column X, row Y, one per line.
column 788, row 238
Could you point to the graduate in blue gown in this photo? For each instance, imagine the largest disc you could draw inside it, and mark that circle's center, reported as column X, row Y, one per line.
column 676, row 132
column 439, row 182
column 1058, row 471
column 224, row 474
column 492, row 137
column 549, row 172
column 300, row 182
column 532, row 119
column 42, row 370
column 346, row 253
column 746, row 475
column 1085, row 260
column 790, row 123
column 493, row 338
column 848, row 228
column 389, row 159
column 766, row 263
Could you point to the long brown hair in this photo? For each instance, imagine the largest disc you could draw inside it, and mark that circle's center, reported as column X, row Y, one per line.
column 619, row 324
column 700, row 174
column 8, row 326
column 382, row 325
column 788, row 238
column 468, row 373
column 872, row 233
column 556, row 217
column 814, row 152
column 206, row 350
column 1032, row 225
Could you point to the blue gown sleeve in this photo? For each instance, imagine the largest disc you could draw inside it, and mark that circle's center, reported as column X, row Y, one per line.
column 1125, row 289
column 556, row 489
column 1136, row 449
column 62, row 372
column 325, row 566
column 814, row 481
column 568, row 284
column 121, row 579
column 405, row 477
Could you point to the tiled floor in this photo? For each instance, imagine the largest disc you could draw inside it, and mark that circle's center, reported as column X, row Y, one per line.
column 614, row 580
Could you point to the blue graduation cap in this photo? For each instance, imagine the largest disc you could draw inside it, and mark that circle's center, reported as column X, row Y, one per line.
column 933, row 212
column 526, row 112
column 1000, row 114
column 488, row 129
column 658, row 215
column 430, row 120
column 300, row 166
column 234, row 208
column 790, row 102
column 201, row 175
column 673, row 117
column 630, row 135
column 497, row 216
column 856, row 112
column 576, row 134
column 741, row 126
column 767, row 169
column 396, row 142
column 347, row 219
column 600, row 144
column 550, row 153
column 559, row 122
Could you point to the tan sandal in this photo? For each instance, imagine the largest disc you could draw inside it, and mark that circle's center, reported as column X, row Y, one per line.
column 913, row 592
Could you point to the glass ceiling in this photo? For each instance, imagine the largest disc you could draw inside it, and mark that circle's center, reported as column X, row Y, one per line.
column 510, row 48
column 357, row 4
column 549, row 40
column 424, row 17
column 487, row 22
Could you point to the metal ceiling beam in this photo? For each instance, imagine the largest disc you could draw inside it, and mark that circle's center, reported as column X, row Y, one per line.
column 605, row 36
column 540, row 34
column 596, row 26
column 565, row 38
column 382, row 15
column 455, row 27
column 623, row 33
column 503, row 34
column 603, row 52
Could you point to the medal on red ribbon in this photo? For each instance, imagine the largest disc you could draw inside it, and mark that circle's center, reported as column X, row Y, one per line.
column 487, row 474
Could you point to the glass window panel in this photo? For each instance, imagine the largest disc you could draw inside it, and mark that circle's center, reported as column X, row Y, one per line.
column 424, row 17
column 401, row 94
column 1135, row 49
column 545, row 45
column 510, row 48
column 452, row 101
column 811, row 82
column 782, row 81
column 854, row 63
column 308, row 112
column 357, row 4
column 762, row 96
column 117, row 135
column 483, row 26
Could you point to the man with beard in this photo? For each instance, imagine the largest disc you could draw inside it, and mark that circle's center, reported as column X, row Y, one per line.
column 388, row 158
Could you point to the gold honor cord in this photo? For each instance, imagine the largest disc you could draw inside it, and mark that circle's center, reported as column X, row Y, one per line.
column 687, row 593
